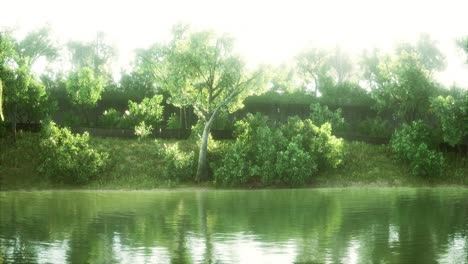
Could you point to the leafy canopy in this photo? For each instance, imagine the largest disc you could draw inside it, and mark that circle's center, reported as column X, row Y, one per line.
column 201, row 69
column 84, row 87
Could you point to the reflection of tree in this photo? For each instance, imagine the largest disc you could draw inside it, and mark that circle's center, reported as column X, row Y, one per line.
column 377, row 226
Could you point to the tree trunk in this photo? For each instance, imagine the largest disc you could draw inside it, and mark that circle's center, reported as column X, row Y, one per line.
column 202, row 169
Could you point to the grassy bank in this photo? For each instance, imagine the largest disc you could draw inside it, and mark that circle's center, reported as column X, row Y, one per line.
column 137, row 165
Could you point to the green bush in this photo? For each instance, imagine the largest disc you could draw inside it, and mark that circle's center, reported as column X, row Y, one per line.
column 233, row 169
column 143, row 130
column 111, row 118
column 67, row 157
column 412, row 144
column 179, row 166
column 326, row 149
column 293, row 166
column 149, row 110
column 277, row 155
column 173, row 122
column 320, row 114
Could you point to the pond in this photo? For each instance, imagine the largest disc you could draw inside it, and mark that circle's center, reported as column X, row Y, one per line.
column 407, row 225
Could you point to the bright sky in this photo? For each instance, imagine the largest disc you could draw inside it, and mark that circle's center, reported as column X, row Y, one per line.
column 265, row 31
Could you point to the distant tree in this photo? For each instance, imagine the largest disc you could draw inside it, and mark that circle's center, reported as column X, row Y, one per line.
column 96, row 55
column 463, row 44
column 313, row 66
column 137, row 84
column 84, row 88
column 37, row 44
column 341, row 66
column 430, row 57
column 451, row 113
column 403, row 83
column 201, row 70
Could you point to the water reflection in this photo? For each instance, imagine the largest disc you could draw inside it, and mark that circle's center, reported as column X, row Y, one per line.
column 268, row 226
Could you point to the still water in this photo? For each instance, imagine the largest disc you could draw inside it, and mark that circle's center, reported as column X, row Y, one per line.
column 265, row 226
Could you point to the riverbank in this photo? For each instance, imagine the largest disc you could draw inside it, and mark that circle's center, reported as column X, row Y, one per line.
column 137, row 165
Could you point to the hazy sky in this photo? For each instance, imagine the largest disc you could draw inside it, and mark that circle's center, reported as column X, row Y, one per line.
column 265, row 31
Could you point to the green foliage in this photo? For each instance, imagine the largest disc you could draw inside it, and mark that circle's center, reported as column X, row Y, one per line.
column 96, row 55
column 463, row 44
column 412, row 144
column 270, row 155
column 345, row 93
column 294, row 165
column 173, row 122
column 111, row 118
column 143, row 130
column 84, row 87
column 451, row 113
column 320, row 114
column 68, row 157
column 179, row 166
column 1, row 102
column 326, row 149
column 149, row 110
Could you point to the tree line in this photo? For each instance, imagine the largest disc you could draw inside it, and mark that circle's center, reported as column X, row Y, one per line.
column 201, row 70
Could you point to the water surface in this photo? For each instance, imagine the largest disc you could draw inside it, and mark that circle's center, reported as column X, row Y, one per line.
column 265, row 226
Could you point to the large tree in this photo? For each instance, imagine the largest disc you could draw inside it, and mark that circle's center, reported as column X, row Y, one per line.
column 23, row 96
column 200, row 69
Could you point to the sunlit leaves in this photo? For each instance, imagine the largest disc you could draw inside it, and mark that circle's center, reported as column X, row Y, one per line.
column 84, row 87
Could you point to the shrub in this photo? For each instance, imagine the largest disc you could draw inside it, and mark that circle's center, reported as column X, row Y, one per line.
column 149, row 110
column 271, row 155
column 326, row 149
column 233, row 170
column 178, row 165
column 143, row 130
column 451, row 113
column 294, row 165
column 173, row 122
column 111, row 118
column 412, row 144
column 67, row 157
column 320, row 114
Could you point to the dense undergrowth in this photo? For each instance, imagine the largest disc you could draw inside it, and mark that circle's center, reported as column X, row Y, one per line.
column 141, row 164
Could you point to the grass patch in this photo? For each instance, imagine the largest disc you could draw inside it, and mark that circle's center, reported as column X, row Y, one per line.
column 376, row 165
column 138, row 165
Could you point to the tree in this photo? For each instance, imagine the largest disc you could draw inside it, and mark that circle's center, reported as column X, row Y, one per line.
column 201, row 70
column 84, row 87
column 6, row 52
column 37, row 44
column 96, row 55
column 463, row 44
column 403, row 83
column 313, row 66
column 24, row 96
column 451, row 112
column 430, row 57
column 340, row 65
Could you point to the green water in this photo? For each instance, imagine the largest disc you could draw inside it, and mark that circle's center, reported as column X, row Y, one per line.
column 266, row 226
